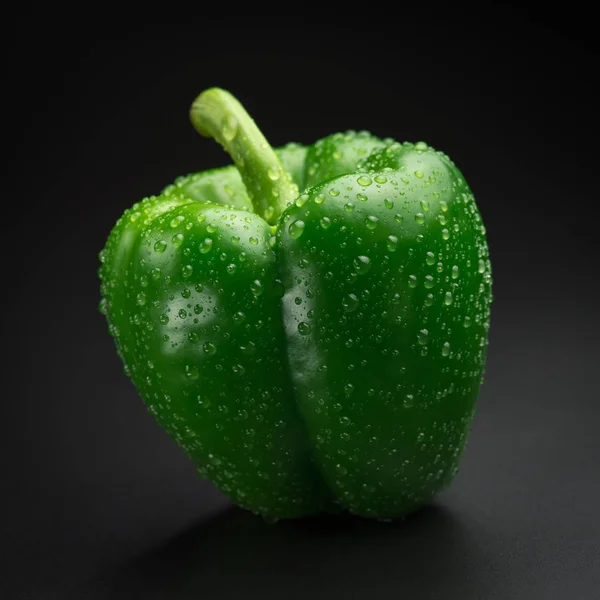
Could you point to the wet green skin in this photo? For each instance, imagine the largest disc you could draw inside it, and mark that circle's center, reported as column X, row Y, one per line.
column 329, row 362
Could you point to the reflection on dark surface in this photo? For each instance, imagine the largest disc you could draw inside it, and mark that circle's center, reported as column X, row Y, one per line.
column 236, row 554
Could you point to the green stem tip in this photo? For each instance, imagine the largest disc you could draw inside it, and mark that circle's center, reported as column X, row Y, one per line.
column 216, row 113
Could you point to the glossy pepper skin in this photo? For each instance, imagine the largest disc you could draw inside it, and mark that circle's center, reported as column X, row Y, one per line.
column 309, row 325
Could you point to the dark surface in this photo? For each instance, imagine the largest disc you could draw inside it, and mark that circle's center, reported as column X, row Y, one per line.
column 99, row 503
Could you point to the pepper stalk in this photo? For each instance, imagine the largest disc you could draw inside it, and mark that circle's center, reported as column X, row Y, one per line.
column 216, row 113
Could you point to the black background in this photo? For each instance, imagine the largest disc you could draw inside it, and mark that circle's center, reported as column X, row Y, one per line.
column 98, row 502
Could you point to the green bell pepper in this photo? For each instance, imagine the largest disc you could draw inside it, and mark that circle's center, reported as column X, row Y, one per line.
column 309, row 325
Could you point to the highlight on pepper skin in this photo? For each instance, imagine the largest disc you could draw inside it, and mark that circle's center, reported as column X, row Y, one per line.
column 309, row 324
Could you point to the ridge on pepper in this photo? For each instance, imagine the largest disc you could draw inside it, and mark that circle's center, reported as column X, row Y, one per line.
column 309, row 324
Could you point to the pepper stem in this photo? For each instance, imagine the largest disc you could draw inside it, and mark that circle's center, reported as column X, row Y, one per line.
column 216, row 113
